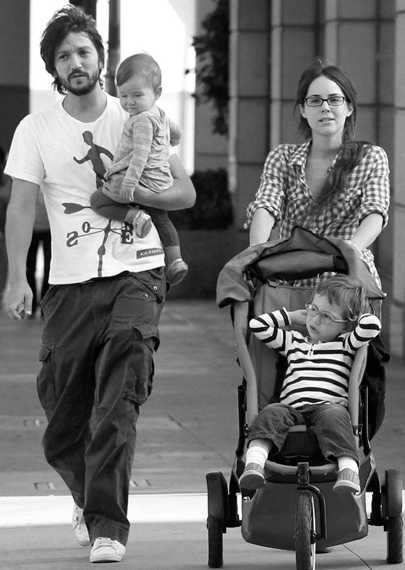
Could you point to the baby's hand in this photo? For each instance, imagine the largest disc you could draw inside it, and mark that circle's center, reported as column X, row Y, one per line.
column 107, row 174
column 127, row 194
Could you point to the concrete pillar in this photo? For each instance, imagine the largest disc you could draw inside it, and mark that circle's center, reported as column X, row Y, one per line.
column 398, row 199
column 211, row 150
column 295, row 43
column 249, row 110
column 14, row 67
column 359, row 37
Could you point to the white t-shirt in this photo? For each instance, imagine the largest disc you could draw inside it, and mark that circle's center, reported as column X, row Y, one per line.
column 66, row 158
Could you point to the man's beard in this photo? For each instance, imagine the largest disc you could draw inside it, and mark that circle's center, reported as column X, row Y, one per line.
column 84, row 89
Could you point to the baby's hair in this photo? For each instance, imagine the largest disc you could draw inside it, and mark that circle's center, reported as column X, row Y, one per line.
column 140, row 64
column 348, row 293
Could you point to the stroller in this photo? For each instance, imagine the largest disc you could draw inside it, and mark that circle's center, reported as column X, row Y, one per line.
column 296, row 509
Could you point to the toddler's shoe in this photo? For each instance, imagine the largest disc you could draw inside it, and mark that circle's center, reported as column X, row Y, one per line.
column 176, row 271
column 142, row 223
column 252, row 478
column 107, row 550
column 347, row 482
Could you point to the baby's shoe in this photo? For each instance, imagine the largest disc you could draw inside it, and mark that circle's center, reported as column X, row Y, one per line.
column 142, row 223
column 347, row 482
column 252, row 478
column 176, row 271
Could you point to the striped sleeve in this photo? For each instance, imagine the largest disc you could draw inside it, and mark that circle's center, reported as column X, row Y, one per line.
column 267, row 328
column 142, row 131
column 175, row 133
column 368, row 327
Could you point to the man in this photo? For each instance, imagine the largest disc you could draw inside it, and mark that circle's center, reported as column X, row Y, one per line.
column 107, row 286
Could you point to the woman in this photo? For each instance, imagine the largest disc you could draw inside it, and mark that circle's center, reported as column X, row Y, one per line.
column 331, row 184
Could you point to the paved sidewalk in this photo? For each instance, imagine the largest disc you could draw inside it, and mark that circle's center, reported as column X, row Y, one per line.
column 187, row 429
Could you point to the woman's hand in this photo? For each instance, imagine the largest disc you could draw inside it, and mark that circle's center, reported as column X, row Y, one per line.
column 358, row 251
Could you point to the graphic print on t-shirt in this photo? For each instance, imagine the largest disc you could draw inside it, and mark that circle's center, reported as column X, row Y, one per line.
column 98, row 167
column 94, row 157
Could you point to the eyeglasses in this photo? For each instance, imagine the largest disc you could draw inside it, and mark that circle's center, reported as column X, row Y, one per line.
column 332, row 101
column 326, row 318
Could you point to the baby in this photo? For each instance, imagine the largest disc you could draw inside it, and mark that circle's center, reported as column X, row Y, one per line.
column 142, row 157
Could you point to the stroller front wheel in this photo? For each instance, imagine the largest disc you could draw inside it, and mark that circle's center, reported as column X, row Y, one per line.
column 305, row 531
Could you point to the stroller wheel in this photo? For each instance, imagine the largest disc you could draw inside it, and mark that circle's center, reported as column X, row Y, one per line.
column 395, row 539
column 305, row 531
column 217, row 515
column 392, row 494
column 215, row 543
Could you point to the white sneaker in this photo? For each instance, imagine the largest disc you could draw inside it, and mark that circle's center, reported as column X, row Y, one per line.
column 107, row 550
column 79, row 526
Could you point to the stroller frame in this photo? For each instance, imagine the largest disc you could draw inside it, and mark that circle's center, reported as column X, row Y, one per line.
column 303, row 523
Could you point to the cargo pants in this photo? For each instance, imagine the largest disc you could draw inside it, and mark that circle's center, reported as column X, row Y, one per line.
column 97, row 369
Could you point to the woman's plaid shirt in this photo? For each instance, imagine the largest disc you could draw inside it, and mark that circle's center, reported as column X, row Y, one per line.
column 284, row 193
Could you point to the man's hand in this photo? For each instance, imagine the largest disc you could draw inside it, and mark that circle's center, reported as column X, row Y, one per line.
column 19, row 224
column 19, row 301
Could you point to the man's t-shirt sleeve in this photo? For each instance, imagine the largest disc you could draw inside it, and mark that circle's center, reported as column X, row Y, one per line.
column 24, row 160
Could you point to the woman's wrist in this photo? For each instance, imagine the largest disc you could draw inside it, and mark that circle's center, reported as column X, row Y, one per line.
column 356, row 247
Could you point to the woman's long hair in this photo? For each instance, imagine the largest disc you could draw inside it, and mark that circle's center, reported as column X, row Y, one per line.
column 351, row 152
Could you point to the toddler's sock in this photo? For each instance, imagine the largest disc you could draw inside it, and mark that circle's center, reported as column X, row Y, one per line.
column 348, row 463
column 256, row 454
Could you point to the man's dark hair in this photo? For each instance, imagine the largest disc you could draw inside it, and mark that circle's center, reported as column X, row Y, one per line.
column 68, row 19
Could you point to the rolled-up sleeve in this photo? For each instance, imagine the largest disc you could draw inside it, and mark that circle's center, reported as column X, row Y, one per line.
column 271, row 192
column 376, row 189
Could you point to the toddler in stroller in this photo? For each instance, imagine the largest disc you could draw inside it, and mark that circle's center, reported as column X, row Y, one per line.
column 315, row 389
column 296, row 506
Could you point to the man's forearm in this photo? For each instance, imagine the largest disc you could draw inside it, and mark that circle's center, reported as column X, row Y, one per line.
column 19, row 226
column 178, row 197
column 18, row 239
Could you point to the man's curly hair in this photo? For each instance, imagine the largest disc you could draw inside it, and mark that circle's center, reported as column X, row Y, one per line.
column 68, row 19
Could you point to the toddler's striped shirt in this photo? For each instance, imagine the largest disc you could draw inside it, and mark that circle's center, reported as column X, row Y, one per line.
column 316, row 373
